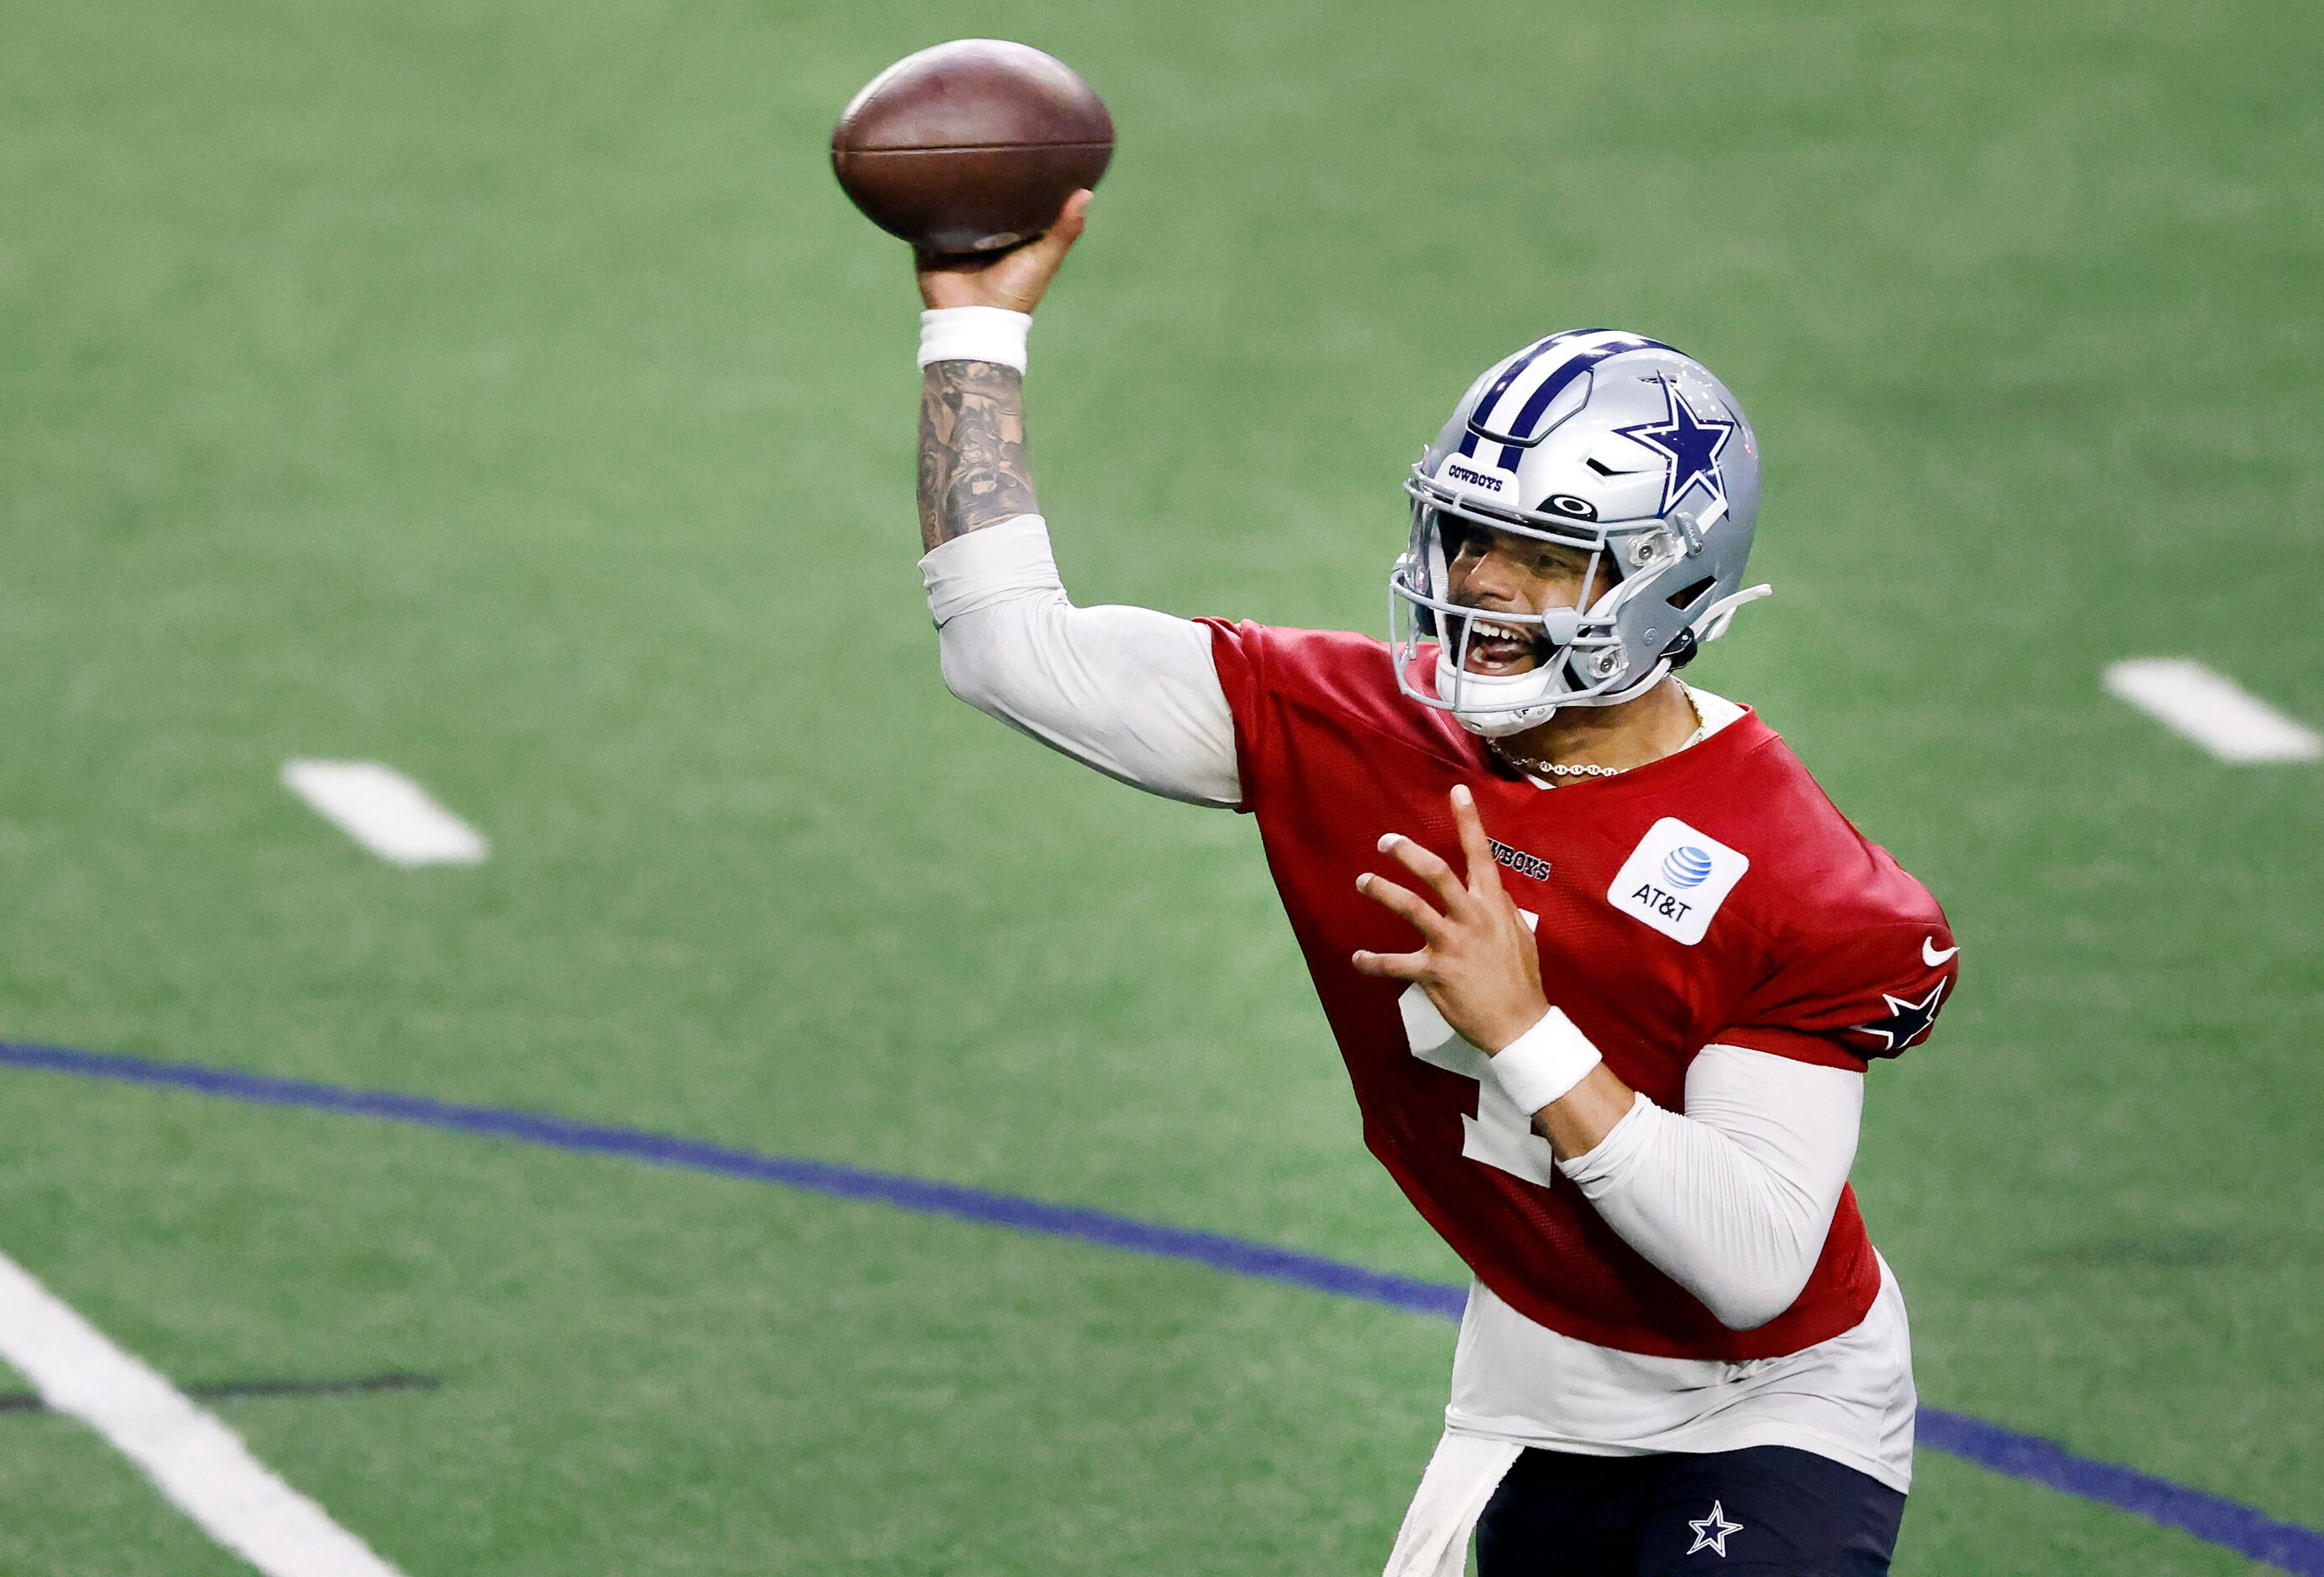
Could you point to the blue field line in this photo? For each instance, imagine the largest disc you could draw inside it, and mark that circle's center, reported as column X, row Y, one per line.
column 2212, row 1518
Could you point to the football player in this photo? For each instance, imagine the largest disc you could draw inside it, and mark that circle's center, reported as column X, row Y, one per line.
column 1606, row 966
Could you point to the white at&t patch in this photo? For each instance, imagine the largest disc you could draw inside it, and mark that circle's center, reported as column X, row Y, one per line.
column 1676, row 879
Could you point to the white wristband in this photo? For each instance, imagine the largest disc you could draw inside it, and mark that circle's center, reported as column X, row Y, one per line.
column 974, row 333
column 1542, row 1065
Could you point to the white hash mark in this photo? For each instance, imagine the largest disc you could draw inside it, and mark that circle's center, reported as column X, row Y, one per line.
column 385, row 812
column 2213, row 710
column 201, row 1464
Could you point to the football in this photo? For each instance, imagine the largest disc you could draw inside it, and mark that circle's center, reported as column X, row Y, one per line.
column 971, row 146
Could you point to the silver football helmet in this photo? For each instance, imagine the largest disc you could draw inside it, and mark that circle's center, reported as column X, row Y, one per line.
column 1603, row 441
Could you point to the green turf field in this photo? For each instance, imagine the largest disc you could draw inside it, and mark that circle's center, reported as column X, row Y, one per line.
column 502, row 390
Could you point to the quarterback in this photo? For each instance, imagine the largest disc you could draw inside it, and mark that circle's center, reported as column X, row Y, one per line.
column 1606, row 966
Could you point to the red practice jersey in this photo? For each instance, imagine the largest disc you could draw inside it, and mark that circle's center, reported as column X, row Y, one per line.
column 1713, row 897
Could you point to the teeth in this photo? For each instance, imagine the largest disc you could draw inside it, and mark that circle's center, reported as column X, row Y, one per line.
column 1486, row 630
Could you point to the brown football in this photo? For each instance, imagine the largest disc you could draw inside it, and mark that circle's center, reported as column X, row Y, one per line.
column 971, row 146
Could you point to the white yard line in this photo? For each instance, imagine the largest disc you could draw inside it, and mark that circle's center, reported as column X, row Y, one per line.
column 2213, row 710
column 385, row 812
column 199, row 1463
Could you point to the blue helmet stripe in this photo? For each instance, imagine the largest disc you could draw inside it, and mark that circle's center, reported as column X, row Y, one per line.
column 1516, row 370
column 1555, row 385
column 1517, row 433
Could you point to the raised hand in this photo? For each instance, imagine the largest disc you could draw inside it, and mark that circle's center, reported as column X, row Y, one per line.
column 1478, row 962
column 1015, row 279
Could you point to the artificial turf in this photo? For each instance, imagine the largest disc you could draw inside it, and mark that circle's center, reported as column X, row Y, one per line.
column 503, row 392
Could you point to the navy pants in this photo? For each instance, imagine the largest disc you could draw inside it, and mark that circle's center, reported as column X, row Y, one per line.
column 1768, row 1511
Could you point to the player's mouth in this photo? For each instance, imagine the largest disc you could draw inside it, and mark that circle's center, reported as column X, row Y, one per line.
column 1495, row 647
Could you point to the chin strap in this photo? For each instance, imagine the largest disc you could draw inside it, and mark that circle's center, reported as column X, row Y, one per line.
column 1500, row 724
column 1561, row 625
column 1722, row 613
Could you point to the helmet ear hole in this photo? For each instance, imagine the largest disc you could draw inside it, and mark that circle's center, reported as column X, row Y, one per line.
column 1686, row 597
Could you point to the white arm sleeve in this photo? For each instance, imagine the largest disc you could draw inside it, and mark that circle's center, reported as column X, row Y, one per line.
column 1733, row 1200
column 1129, row 691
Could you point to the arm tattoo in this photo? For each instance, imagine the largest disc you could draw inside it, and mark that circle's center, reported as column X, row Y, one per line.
column 971, row 449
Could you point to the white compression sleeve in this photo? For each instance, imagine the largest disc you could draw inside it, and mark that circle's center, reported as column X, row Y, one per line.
column 1129, row 691
column 1733, row 1200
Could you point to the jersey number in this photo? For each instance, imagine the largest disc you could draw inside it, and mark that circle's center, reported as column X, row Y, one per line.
column 1499, row 1135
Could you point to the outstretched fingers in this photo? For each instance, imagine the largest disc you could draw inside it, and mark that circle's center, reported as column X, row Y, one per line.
column 1404, row 903
column 1468, row 904
column 1441, row 879
column 1484, row 871
column 1393, row 965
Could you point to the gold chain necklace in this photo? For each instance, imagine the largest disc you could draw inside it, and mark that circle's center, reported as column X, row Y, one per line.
column 1537, row 767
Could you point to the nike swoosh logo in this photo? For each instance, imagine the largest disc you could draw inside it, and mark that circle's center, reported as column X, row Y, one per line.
column 1930, row 956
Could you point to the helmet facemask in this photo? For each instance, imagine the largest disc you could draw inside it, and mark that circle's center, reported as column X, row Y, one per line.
column 1583, row 658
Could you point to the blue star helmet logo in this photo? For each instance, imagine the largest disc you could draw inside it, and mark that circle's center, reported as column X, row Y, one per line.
column 1907, row 1021
column 1690, row 444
